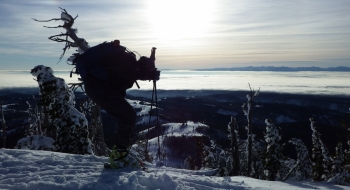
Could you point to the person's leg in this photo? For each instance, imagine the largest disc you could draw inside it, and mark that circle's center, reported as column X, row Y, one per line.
column 115, row 104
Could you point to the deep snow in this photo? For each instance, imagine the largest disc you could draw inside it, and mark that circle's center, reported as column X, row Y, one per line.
column 26, row 169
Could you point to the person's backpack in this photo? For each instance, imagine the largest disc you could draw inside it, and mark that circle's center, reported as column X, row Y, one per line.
column 89, row 61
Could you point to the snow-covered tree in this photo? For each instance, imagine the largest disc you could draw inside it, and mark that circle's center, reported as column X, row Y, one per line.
column 233, row 162
column 338, row 160
column 36, row 138
column 258, row 151
column 303, row 166
column 34, row 119
column 204, row 152
column 287, row 168
column 71, row 125
column 340, row 168
column 320, row 156
column 341, row 172
column 189, row 163
column 141, row 148
column 93, row 113
column 36, row 142
column 273, row 155
column 213, row 157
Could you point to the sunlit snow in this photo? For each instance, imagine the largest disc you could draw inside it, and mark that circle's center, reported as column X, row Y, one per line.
column 25, row 169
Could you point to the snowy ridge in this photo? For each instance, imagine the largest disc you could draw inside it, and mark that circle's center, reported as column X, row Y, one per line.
column 142, row 111
column 144, row 108
column 179, row 129
column 25, row 169
column 173, row 130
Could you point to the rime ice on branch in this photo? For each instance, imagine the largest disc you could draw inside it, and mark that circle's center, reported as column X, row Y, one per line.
column 68, row 20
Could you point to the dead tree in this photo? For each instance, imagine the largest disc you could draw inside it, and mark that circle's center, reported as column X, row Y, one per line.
column 82, row 46
column 3, row 126
column 70, row 32
column 248, row 111
column 234, row 147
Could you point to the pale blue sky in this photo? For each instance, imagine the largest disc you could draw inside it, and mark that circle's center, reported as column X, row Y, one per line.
column 189, row 34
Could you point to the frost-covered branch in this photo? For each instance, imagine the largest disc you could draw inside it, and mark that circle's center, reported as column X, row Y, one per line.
column 320, row 156
column 70, row 32
column 248, row 111
column 3, row 126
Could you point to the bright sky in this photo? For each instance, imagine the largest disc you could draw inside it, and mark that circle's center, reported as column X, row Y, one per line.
column 189, row 34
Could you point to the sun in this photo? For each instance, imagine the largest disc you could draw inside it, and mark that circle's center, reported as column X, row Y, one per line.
column 179, row 19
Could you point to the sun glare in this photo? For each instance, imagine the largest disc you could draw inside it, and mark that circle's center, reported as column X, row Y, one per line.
column 179, row 19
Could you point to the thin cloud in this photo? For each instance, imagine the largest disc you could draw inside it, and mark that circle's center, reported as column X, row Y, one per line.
column 235, row 32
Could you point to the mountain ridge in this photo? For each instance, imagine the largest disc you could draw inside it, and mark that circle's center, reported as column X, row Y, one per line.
column 283, row 68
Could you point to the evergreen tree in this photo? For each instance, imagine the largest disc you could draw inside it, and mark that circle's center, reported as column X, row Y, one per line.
column 303, row 166
column 204, row 152
column 142, row 149
column 338, row 160
column 287, row 168
column 233, row 162
column 71, row 125
column 206, row 155
column 189, row 163
column 93, row 113
column 273, row 156
column 216, row 158
column 340, row 167
column 34, row 119
column 36, row 138
column 320, row 158
column 258, row 151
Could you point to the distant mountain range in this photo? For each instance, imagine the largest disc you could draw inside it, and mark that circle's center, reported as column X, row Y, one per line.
column 272, row 68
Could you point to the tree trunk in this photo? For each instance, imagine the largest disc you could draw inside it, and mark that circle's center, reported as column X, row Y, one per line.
column 250, row 142
column 100, row 148
column 234, row 148
column 50, row 131
column 249, row 113
column 3, row 127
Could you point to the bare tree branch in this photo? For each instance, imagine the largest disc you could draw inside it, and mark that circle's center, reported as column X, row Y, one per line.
column 68, row 23
column 75, row 86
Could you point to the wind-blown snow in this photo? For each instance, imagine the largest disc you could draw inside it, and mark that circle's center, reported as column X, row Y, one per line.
column 25, row 169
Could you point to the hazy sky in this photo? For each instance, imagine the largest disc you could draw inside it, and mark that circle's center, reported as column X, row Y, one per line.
column 188, row 33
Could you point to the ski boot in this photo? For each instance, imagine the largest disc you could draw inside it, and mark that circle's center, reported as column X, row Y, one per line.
column 120, row 158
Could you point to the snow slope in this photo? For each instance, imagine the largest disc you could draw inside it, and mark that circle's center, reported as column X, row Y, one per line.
column 173, row 130
column 25, row 169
